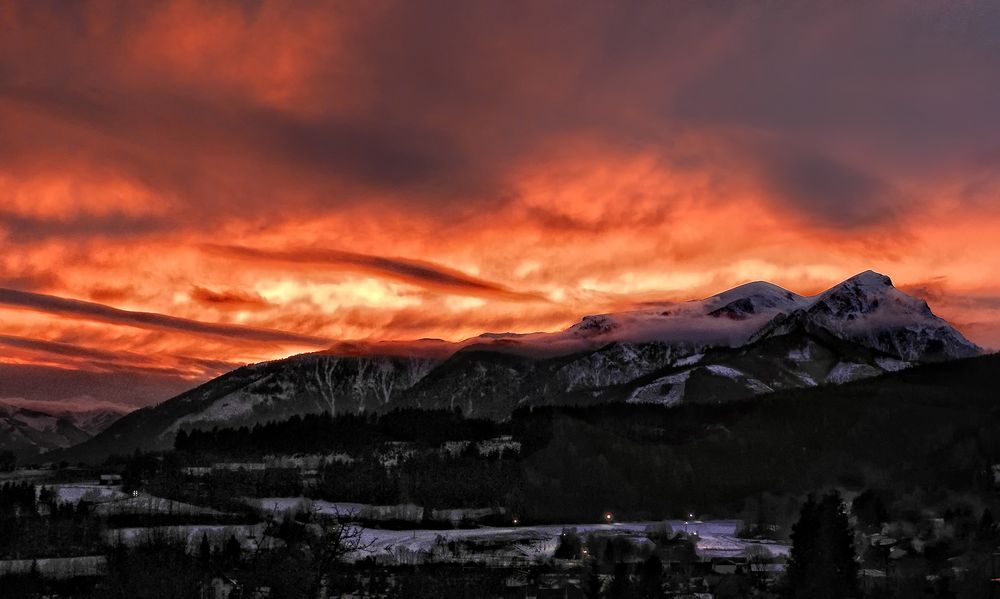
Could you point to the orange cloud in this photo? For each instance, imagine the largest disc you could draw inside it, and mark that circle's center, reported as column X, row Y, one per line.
column 504, row 167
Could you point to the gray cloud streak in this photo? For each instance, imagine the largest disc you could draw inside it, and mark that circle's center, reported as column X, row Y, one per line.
column 60, row 306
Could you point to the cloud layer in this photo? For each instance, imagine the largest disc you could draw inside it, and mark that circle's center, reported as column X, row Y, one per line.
column 216, row 183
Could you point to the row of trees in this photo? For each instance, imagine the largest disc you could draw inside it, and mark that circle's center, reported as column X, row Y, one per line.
column 8, row 461
column 430, row 480
column 323, row 433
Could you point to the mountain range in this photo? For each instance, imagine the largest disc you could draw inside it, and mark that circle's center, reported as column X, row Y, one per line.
column 750, row 340
column 29, row 433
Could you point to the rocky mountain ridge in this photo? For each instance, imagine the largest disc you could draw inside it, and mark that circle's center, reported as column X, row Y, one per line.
column 750, row 340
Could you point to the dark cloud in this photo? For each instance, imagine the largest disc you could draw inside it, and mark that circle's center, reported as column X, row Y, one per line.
column 424, row 274
column 436, row 106
column 146, row 320
column 229, row 299
column 98, row 359
column 21, row 229
column 59, row 348
column 829, row 192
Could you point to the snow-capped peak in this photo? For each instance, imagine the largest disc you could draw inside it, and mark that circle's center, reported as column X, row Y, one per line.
column 865, row 308
column 869, row 293
column 762, row 291
column 758, row 297
column 868, row 279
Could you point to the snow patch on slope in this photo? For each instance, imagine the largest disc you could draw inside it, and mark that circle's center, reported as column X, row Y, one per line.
column 666, row 391
column 891, row 364
column 725, row 371
column 801, row 354
column 845, row 372
column 689, row 360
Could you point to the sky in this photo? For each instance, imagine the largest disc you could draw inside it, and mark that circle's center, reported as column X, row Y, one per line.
column 186, row 187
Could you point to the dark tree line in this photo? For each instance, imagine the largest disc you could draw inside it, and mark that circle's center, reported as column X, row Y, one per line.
column 8, row 460
column 430, row 480
column 316, row 433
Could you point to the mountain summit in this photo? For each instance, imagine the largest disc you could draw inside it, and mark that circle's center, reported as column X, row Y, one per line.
column 749, row 340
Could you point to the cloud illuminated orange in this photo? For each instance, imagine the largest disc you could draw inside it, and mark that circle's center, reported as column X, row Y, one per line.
column 188, row 186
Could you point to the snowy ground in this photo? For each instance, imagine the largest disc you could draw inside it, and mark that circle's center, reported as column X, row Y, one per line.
column 485, row 544
column 23, row 474
column 75, row 493
column 497, row 545
column 112, row 500
column 714, row 538
column 57, row 567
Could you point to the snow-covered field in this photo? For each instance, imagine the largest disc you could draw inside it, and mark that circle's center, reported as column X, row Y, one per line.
column 714, row 539
column 112, row 500
column 75, row 493
column 24, row 474
column 57, row 567
column 484, row 544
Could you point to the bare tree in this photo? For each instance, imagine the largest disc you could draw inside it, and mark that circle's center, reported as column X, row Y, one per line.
column 331, row 542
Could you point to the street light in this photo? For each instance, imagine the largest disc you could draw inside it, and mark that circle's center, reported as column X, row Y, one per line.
column 608, row 516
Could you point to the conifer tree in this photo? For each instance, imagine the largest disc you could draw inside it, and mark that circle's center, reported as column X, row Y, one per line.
column 822, row 563
column 651, row 578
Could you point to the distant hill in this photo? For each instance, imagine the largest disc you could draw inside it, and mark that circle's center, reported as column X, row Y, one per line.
column 29, row 433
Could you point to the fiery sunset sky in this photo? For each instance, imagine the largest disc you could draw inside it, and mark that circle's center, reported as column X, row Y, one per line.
column 189, row 186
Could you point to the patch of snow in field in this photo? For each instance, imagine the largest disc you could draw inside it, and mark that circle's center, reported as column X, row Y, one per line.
column 77, row 493
column 24, row 474
column 149, row 504
column 498, row 444
column 58, row 568
column 454, row 448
